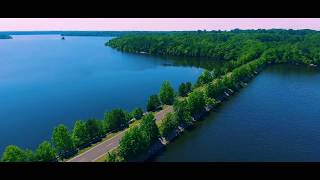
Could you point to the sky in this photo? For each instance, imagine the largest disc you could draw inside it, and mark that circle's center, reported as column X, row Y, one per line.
column 154, row 24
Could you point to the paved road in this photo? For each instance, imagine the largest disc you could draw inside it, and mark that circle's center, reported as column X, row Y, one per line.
column 101, row 149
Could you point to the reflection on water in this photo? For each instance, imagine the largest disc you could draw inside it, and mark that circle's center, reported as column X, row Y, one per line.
column 204, row 63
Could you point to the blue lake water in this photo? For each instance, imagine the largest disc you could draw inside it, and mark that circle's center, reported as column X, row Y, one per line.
column 45, row 81
column 275, row 118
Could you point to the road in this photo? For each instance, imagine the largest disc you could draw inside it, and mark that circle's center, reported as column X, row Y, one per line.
column 101, row 149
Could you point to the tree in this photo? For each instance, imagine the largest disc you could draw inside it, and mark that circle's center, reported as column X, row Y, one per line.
column 153, row 103
column 210, row 101
column 128, row 116
column 205, row 78
column 188, row 87
column 80, row 133
column 182, row 112
column 196, row 102
column 138, row 138
column 137, row 113
column 45, row 152
column 215, row 89
column 62, row 140
column 132, row 143
column 94, row 128
column 166, row 93
column 114, row 119
column 15, row 154
column 168, row 124
column 149, row 128
column 113, row 156
column 184, row 89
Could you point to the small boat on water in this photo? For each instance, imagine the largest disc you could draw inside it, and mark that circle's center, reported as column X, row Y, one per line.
column 63, row 38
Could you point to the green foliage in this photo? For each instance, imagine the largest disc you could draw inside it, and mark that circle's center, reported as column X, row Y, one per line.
column 184, row 89
column 168, row 124
column 153, row 103
column 236, row 47
column 149, row 129
column 205, row 78
column 128, row 116
column 80, row 133
column 182, row 112
column 113, row 156
column 210, row 101
column 166, row 93
column 94, row 128
column 138, row 139
column 114, row 120
column 15, row 154
column 61, row 139
column 137, row 113
column 45, row 152
column 132, row 143
column 215, row 89
column 196, row 102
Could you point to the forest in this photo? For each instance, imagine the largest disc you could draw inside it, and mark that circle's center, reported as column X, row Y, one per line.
column 236, row 46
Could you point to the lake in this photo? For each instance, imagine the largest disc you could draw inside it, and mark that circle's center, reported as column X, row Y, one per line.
column 45, row 81
column 275, row 118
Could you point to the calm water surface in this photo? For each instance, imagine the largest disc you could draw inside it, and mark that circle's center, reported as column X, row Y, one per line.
column 275, row 118
column 45, row 81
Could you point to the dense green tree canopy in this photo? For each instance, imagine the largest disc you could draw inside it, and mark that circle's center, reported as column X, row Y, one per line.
column 184, row 89
column 138, row 138
column 132, row 143
column 215, row 89
column 45, row 152
column 114, row 119
column 61, row 139
column 80, row 133
column 196, row 102
column 16, row 154
column 137, row 113
column 182, row 112
column 205, row 78
column 168, row 124
column 94, row 128
column 153, row 103
column 166, row 93
column 149, row 128
column 236, row 47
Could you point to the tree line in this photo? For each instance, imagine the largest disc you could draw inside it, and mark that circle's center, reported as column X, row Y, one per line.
column 236, row 46
column 251, row 52
column 65, row 143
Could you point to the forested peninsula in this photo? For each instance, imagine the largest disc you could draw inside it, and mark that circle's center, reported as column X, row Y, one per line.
column 245, row 53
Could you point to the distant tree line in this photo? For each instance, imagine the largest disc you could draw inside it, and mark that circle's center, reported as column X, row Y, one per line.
column 237, row 46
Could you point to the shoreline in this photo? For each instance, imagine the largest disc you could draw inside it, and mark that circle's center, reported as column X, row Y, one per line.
column 161, row 144
column 156, row 149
